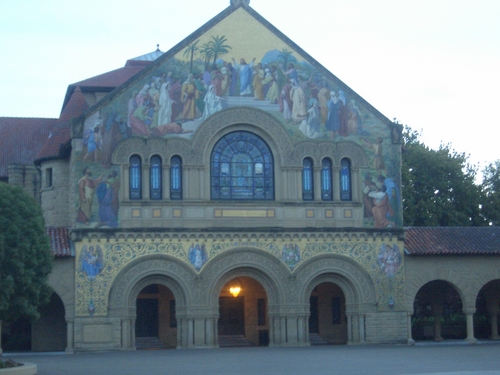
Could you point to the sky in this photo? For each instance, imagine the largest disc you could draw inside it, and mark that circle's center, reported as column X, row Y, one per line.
column 431, row 64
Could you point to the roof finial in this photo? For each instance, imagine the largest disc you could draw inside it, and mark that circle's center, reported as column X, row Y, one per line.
column 236, row 3
column 157, row 47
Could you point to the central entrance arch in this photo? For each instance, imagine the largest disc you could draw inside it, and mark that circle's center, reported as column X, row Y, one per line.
column 243, row 317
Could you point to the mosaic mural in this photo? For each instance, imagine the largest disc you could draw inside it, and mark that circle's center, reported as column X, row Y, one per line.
column 99, row 267
column 234, row 65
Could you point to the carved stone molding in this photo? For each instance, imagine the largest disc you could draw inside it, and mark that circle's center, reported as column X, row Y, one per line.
column 210, row 131
column 272, row 274
column 355, row 282
column 159, row 269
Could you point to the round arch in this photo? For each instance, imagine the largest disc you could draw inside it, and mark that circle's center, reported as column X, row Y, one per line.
column 156, row 269
column 424, row 278
column 353, row 280
column 250, row 262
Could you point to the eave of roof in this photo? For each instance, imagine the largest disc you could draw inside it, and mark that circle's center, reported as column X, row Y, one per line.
column 452, row 241
column 21, row 139
column 61, row 133
column 60, row 243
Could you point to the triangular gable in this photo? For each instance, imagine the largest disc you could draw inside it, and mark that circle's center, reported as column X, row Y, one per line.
column 256, row 38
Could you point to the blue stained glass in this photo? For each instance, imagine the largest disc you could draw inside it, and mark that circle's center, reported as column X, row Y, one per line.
column 176, row 178
column 326, row 180
column 307, row 180
column 155, row 178
column 245, row 170
column 345, row 180
column 135, row 181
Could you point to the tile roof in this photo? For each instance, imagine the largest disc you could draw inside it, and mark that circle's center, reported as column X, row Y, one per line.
column 113, row 78
column 21, row 139
column 61, row 133
column 60, row 243
column 452, row 240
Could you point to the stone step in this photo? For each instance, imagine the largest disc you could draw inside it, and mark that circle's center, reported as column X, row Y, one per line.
column 148, row 343
column 316, row 339
column 233, row 341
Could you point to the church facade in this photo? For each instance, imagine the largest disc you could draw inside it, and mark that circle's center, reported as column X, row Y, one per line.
column 233, row 190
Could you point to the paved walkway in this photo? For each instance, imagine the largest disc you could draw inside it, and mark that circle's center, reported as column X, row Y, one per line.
column 443, row 359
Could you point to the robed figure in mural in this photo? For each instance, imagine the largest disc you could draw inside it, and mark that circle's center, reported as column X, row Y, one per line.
column 86, row 190
column 107, row 196
column 246, row 74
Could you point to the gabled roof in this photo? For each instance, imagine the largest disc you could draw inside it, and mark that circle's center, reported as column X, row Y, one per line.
column 452, row 240
column 233, row 7
column 21, row 139
column 61, row 133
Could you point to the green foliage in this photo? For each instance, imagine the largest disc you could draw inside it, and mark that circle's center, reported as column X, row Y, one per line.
column 25, row 256
column 439, row 186
column 491, row 191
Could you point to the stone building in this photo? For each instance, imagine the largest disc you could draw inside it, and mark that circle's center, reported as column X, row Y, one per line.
column 232, row 191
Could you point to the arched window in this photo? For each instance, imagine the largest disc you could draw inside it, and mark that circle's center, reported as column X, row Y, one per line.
column 345, row 180
column 326, row 180
column 135, row 178
column 155, row 178
column 307, row 180
column 241, row 168
column 175, row 178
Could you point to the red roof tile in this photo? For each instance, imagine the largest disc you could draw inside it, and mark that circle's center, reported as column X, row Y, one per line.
column 60, row 243
column 452, row 240
column 113, row 78
column 21, row 139
column 61, row 133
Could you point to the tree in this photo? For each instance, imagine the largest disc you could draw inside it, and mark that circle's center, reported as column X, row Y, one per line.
column 218, row 46
column 25, row 256
column 190, row 51
column 491, row 191
column 438, row 186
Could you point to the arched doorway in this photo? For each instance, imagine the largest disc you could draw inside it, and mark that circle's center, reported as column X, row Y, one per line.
column 327, row 319
column 48, row 333
column 438, row 313
column 487, row 311
column 243, row 313
column 155, row 323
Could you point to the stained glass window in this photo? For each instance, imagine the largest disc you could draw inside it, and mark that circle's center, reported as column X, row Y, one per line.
column 326, row 180
column 155, row 178
column 135, row 178
column 175, row 178
column 242, row 168
column 307, row 180
column 345, row 180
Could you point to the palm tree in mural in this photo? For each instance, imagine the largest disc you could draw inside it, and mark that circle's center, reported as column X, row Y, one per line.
column 218, row 46
column 206, row 53
column 286, row 55
column 190, row 51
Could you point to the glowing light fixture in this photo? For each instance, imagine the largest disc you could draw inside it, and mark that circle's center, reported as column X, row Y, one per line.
column 235, row 288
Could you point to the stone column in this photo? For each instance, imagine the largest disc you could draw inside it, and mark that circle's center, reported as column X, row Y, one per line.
column 126, row 334
column 469, row 314
column 350, row 340
column 336, row 183
column 493, row 309
column 408, row 328
column 437, row 309
column 69, row 336
column 361, row 323
column 317, row 183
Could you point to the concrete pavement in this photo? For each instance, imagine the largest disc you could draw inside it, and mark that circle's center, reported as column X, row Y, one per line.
column 443, row 359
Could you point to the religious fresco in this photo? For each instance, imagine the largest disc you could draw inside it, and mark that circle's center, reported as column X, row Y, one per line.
column 98, row 198
column 100, row 264
column 234, row 65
